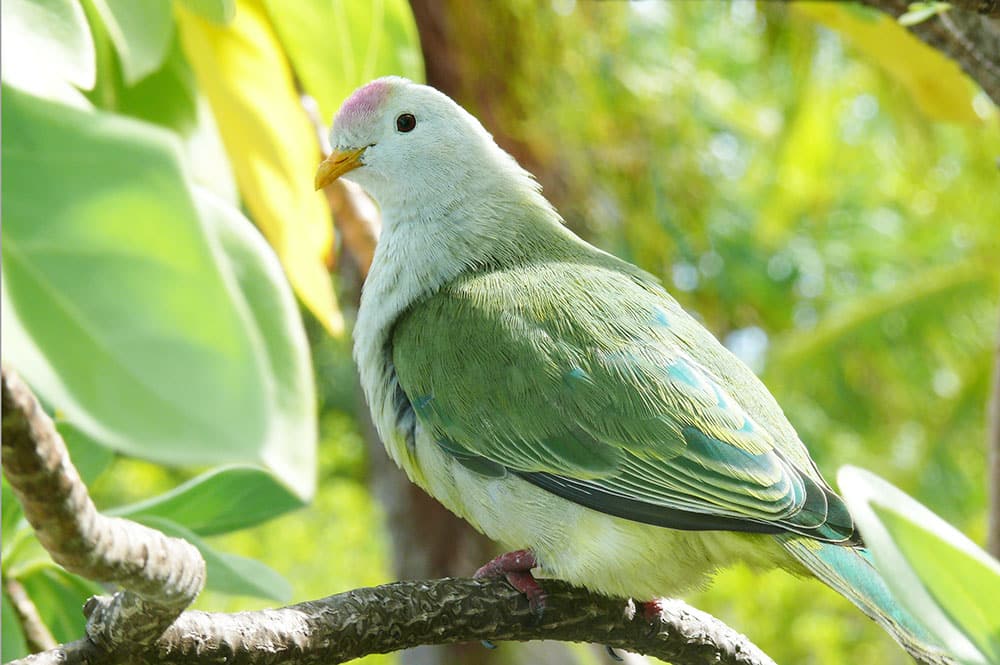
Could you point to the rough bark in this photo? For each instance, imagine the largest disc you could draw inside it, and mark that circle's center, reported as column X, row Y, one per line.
column 405, row 614
column 161, row 576
column 989, row 8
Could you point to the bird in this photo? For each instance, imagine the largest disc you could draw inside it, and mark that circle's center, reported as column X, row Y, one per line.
column 558, row 398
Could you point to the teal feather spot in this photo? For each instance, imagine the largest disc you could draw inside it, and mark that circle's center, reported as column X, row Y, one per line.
column 575, row 375
column 660, row 318
column 747, row 425
column 420, row 404
column 720, row 400
column 683, row 372
column 713, row 451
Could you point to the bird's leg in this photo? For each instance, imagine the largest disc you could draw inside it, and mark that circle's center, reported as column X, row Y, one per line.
column 651, row 610
column 516, row 567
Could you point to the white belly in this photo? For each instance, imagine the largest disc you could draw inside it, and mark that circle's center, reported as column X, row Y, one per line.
column 585, row 547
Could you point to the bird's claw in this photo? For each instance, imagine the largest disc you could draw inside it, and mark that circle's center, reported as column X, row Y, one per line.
column 651, row 610
column 614, row 655
column 516, row 568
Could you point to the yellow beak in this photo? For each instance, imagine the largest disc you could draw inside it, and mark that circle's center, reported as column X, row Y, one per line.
column 337, row 164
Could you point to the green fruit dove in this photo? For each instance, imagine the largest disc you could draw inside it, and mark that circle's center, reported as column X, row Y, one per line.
column 557, row 397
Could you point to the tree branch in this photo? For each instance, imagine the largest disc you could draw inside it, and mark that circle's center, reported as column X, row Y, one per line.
column 989, row 8
column 406, row 614
column 162, row 575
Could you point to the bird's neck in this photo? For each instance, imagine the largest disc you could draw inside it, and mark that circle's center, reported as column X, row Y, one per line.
column 475, row 226
column 425, row 247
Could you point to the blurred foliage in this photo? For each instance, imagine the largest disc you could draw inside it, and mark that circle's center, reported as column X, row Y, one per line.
column 794, row 188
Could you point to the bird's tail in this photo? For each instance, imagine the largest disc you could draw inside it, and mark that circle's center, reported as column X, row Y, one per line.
column 850, row 572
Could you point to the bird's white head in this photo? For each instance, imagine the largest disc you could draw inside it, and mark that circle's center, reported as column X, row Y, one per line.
column 408, row 144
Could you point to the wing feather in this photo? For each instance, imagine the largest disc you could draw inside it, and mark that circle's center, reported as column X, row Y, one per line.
column 603, row 399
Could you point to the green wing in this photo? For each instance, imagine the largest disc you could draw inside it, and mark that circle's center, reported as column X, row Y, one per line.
column 588, row 380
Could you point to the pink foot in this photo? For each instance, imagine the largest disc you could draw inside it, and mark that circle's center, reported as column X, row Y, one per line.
column 516, row 567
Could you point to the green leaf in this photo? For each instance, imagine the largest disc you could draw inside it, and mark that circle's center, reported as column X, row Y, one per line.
column 965, row 585
column 228, row 573
column 11, row 509
column 944, row 579
column 216, row 11
column 167, row 97
column 155, row 319
column 59, row 597
column 141, row 32
column 219, row 501
column 47, row 49
column 337, row 45
column 12, row 645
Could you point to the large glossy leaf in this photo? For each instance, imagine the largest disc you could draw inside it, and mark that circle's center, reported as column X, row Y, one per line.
column 219, row 501
column 11, row 510
column 158, row 323
column 338, row 45
column 217, row 11
column 141, row 32
column 59, row 597
column 12, row 645
column 273, row 150
column 228, row 573
column 47, row 48
column 167, row 96
column 936, row 83
column 941, row 576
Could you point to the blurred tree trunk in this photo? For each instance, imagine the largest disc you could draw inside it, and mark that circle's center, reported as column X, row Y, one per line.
column 472, row 53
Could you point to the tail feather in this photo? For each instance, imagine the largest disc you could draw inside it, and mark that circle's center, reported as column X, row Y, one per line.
column 850, row 572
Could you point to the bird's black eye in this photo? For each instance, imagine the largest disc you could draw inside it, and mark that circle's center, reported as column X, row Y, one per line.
column 405, row 122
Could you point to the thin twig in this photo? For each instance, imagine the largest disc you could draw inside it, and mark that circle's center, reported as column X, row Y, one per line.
column 993, row 448
column 36, row 633
column 161, row 575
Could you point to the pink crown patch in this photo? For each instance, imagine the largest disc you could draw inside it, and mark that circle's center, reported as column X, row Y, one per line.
column 365, row 101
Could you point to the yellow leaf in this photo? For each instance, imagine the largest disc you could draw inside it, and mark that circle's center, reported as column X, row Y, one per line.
column 273, row 148
column 936, row 83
